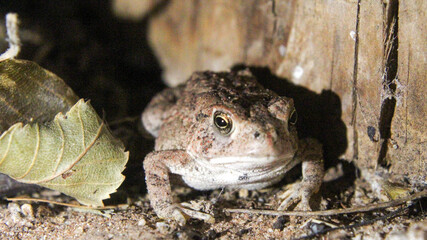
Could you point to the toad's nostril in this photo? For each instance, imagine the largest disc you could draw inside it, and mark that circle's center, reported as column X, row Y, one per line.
column 256, row 134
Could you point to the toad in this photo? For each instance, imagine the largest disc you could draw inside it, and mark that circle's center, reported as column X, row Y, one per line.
column 224, row 130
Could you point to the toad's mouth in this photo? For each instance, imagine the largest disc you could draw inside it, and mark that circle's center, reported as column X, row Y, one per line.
column 248, row 162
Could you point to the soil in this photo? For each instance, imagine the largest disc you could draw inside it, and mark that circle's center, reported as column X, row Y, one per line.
column 134, row 218
column 110, row 62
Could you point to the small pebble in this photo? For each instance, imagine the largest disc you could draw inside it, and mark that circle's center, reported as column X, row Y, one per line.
column 243, row 193
column 163, row 227
column 58, row 220
column 317, row 228
column 16, row 219
column 13, row 208
column 243, row 232
column 142, row 222
column 27, row 210
column 78, row 230
column 183, row 236
column 280, row 222
column 16, row 216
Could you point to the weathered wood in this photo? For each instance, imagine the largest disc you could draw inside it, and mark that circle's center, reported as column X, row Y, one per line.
column 408, row 148
column 368, row 83
column 320, row 53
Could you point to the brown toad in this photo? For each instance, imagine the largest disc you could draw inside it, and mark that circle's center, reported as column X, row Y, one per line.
column 224, row 130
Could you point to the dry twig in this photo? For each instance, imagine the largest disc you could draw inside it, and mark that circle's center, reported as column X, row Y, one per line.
column 355, row 225
column 332, row 211
column 12, row 37
column 60, row 203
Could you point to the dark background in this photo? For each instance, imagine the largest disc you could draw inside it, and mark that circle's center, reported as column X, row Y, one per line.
column 104, row 59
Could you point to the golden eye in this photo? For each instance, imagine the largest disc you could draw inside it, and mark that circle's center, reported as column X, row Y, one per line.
column 223, row 122
column 293, row 117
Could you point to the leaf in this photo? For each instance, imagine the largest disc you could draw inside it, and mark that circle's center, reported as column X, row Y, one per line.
column 74, row 154
column 30, row 93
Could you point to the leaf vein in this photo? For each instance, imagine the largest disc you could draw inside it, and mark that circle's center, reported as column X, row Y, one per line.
column 36, row 151
column 61, row 153
column 81, row 155
column 8, row 144
column 82, row 127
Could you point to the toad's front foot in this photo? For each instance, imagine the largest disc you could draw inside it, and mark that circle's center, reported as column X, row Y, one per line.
column 310, row 154
column 158, row 165
column 181, row 213
column 294, row 193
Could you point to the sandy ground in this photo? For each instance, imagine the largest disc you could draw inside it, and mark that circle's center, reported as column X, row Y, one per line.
column 134, row 218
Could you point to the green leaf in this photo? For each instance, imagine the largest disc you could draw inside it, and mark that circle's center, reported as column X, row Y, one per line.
column 74, row 154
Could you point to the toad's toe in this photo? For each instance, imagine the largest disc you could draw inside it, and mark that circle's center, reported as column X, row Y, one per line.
column 197, row 214
column 295, row 193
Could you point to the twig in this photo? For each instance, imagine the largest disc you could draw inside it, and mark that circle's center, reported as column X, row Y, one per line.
column 12, row 37
column 356, row 225
column 332, row 211
column 60, row 203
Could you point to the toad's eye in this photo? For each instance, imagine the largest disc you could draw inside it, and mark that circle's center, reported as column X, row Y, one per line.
column 293, row 117
column 223, row 122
